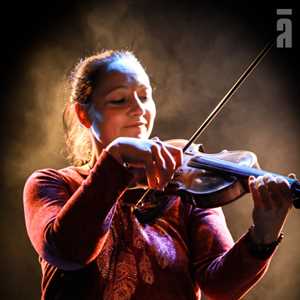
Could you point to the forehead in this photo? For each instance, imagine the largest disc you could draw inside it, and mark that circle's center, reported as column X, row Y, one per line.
column 125, row 72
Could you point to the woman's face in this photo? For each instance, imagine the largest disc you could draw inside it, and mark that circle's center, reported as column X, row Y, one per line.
column 122, row 104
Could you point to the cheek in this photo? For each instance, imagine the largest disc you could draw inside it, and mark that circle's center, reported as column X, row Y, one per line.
column 151, row 113
column 106, row 127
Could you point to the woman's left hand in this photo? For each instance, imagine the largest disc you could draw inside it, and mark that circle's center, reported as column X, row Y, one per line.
column 272, row 199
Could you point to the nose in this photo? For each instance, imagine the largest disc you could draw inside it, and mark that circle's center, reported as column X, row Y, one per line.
column 137, row 107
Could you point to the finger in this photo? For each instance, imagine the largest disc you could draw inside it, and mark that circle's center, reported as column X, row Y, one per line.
column 283, row 184
column 176, row 153
column 170, row 164
column 285, row 190
column 162, row 165
column 255, row 194
column 155, row 139
column 279, row 190
column 270, row 184
column 293, row 176
column 150, row 169
column 262, row 186
column 165, row 174
column 151, row 175
column 157, row 165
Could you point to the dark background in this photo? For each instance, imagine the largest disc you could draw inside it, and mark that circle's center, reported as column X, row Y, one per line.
column 191, row 53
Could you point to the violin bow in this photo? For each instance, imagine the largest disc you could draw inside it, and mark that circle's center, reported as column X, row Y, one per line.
column 221, row 104
column 228, row 95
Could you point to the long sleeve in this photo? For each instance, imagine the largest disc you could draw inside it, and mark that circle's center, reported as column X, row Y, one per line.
column 68, row 230
column 223, row 269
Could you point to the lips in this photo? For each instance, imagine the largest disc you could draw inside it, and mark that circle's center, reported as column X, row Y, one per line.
column 136, row 124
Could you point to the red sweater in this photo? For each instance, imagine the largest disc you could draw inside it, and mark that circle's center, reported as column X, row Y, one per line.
column 91, row 245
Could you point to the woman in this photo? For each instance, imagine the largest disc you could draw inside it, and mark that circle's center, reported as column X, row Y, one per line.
column 82, row 221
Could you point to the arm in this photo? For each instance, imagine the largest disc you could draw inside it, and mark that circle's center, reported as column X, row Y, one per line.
column 223, row 269
column 69, row 230
column 227, row 271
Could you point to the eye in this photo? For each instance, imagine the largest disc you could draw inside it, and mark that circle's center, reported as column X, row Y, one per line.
column 117, row 101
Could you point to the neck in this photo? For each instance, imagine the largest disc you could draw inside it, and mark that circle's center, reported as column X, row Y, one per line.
column 97, row 149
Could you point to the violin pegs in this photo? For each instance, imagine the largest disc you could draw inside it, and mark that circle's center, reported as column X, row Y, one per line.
column 201, row 148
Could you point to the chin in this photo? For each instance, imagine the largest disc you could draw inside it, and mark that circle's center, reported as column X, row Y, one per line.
column 138, row 132
column 139, row 135
column 143, row 136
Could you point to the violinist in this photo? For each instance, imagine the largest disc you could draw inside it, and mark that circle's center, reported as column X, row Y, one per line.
column 81, row 219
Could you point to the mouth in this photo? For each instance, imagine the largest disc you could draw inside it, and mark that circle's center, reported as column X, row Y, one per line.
column 136, row 124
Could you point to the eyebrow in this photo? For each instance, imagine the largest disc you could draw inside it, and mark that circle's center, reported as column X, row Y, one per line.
column 125, row 87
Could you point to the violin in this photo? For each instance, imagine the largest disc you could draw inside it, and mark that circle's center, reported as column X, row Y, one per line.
column 207, row 180
column 213, row 180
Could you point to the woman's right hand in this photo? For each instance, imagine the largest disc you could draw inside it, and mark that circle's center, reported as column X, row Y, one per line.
column 154, row 159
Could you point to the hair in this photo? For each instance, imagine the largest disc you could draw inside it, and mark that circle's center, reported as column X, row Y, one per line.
column 83, row 80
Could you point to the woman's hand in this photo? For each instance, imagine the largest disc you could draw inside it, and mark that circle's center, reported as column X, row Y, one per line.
column 272, row 201
column 151, row 158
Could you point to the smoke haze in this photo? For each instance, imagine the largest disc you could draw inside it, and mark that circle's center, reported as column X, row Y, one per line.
column 193, row 57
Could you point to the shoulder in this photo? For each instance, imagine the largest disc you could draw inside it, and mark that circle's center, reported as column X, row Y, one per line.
column 45, row 176
column 47, row 179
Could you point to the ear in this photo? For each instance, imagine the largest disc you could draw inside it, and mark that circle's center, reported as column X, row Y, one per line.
column 83, row 115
